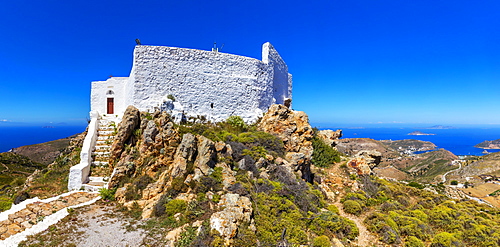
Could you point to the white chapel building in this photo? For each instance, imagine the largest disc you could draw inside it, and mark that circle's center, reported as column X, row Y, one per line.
column 193, row 83
column 185, row 83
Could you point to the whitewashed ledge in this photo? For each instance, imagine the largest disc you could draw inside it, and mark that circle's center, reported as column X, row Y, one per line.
column 14, row 240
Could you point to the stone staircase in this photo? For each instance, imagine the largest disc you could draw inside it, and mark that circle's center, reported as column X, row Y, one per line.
column 100, row 169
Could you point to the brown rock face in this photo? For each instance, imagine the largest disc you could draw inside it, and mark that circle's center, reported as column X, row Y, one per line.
column 291, row 126
column 294, row 129
column 329, row 136
column 360, row 166
column 129, row 123
column 236, row 210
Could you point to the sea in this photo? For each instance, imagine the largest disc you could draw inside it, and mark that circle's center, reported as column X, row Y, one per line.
column 16, row 136
column 459, row 141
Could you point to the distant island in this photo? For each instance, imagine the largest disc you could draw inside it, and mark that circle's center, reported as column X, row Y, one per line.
column 440, row 127
column 418, row 133
column 495, row 144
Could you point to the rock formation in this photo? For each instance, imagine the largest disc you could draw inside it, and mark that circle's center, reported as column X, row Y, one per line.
column 129, row 123
column 294, row 129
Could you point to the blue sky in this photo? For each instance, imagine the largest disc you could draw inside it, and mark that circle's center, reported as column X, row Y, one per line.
column 353, row 62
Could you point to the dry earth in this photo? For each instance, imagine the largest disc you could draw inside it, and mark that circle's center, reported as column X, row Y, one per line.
column 99, row 224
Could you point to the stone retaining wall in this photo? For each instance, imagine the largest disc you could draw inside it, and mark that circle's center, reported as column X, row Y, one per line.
column 22, row 218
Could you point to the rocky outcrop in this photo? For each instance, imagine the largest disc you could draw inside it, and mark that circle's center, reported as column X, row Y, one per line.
column 294, row 129
column 371, row 157
column 291, row 126
column 205, row 160
column 130, row 121
column 236, row 209
column 360, row 166
column 329, row 136
column 150, row 132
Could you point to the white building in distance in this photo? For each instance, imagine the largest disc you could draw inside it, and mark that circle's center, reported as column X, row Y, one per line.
column 201, row 83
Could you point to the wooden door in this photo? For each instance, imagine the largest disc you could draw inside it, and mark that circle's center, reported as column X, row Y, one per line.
column 111, row 106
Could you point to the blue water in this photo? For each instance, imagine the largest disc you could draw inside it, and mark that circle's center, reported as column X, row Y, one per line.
column 459, row 141
column 16, row 136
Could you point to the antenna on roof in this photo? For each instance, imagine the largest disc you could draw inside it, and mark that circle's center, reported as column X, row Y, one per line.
column 138, row 41
column 216, row 49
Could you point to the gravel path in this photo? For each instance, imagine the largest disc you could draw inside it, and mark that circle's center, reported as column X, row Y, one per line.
column 95, row 225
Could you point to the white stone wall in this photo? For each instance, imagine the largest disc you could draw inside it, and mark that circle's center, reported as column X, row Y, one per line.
column 213, row 84
column 281, row 79
column 204, row 83
column 114, row 87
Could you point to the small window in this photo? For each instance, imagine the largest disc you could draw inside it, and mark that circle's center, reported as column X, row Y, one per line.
column 212, row 105
column 110, row 92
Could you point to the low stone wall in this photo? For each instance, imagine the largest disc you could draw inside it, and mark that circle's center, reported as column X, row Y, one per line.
column 39, row 214
column 79, row 174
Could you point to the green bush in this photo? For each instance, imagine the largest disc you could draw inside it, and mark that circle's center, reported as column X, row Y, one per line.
column 331, row 224
column 171, row 97
column 175, row 206
column 107, row 194
column 323, row 155
column 445, row 239
column 416, row 185
column 352, row 207
column 412, row 241
column 237, row 123
column 454, row 182
column 5, row 205
column 321, row 241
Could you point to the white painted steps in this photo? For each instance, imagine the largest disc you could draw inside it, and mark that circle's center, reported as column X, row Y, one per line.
column 100, row 156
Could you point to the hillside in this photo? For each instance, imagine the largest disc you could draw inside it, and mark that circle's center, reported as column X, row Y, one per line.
column 44, row 153
column 21, row 176
column 275, row 183
column 495, row 144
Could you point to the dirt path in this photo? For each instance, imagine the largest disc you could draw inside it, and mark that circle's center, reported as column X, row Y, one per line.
column 365, row 238
column 94, row 225
column 454, row 170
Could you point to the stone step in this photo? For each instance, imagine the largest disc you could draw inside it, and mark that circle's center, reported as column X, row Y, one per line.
column 103, row 147
column 101, row 154
column 106, row 133
column 98, row 179
column 106, row 128
column 104, row 138
column 102, row 143
column 100, row 163
column 101, row 159
column 92, row 188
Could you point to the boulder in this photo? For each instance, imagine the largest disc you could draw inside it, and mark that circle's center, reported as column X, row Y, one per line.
column 150, row 132
column 205, row 160
column 129, row 123
column 360, row 166
column 291, row 126
column 294, row 129
column 186, row 152
column 371, row 157
column 329, row 136
column 236, row 210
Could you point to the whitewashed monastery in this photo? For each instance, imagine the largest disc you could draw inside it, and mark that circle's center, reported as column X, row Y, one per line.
column 185, row 83
column 202, row 83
